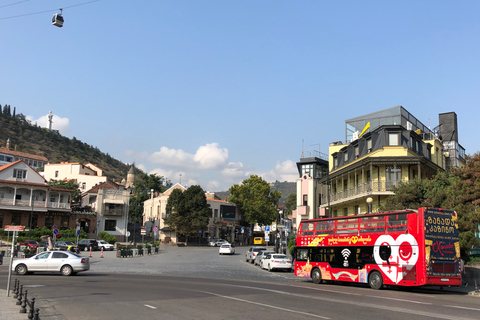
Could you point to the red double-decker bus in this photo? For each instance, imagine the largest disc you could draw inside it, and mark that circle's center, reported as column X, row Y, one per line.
column 403, row 248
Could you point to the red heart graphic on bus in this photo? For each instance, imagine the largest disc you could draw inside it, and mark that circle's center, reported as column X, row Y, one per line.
column 403, row 255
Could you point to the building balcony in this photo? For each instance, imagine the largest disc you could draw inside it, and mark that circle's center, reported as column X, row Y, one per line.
column 360, row 191
column 114, row 212
column 322, row 212
column 58, row 205
column 302, row 210
column 36, row 204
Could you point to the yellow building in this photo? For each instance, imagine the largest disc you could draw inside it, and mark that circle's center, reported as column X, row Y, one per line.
column 381, row 150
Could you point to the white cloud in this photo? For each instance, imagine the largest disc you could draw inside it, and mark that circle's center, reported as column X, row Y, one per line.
column 207, row 157
column 209, row 167
column 212, row 186
column 211, row 156
column 284, row 171
column 172, row 158
column 58, row 123
column 234, row 170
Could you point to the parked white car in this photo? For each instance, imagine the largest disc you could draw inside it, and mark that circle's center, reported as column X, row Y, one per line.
column 105, row 245
column 259, row 257
column 276, row 261
column 226, row 248
column 252, row 253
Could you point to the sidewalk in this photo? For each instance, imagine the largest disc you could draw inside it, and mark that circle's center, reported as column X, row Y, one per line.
column 9, row 309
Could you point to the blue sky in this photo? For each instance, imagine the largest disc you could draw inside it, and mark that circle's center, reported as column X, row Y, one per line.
column 215, row 91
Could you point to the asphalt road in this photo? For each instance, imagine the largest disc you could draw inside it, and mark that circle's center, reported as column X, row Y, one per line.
column 197, row 283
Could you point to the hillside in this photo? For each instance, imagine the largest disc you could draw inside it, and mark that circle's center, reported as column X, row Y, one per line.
column 33, row 139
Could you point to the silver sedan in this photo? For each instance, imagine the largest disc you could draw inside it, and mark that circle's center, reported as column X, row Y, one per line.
column 67, row 263
column 273, row 261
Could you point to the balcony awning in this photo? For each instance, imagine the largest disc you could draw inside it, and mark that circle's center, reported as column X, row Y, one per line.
column 116, row 201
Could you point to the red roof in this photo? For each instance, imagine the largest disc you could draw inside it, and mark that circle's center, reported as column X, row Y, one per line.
column 22, row 154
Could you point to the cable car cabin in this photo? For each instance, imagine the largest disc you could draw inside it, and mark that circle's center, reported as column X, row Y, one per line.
column 57, row 20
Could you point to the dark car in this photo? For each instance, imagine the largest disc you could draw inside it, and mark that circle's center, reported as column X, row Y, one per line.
column 87, row 244
column 64, row 245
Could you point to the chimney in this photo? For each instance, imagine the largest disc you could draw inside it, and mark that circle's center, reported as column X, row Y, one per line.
column 8, row 144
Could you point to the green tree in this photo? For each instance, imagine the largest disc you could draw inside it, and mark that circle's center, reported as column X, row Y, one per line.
column 410, row 195
column 255, row 200
column 291, row 202
column 67, row 185
column 142, row 186
column 188, row 211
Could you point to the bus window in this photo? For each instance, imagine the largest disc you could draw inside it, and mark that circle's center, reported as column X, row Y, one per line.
column 347, row 226
column 324, row 227
column 302, row 254
column 365, row 255
column 372, row 224
column 397, row 222
column 307, row 229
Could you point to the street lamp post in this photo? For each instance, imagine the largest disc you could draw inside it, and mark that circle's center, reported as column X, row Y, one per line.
column 369, row 203
column 152, row 219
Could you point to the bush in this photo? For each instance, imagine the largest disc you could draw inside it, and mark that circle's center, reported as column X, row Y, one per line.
column 157, row 243
column 108, row 237
column 28, row 251
column 291, row 244
column 139, row 246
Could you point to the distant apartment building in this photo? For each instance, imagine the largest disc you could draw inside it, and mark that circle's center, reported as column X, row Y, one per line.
column 110, row 206
column 224, row 222
column 8, row 156
column 86, row 175
column 380, row 151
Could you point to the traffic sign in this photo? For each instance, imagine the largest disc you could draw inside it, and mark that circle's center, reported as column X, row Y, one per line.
column 128, row 233
column 78, row 232
column 143, row 232
column 55, row 231
column 267, row 228
column 14, row 228
column 156, row 229
column 54, row 227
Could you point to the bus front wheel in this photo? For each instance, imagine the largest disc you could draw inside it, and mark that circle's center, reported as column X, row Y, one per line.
column 375, row 280
column 316, row 276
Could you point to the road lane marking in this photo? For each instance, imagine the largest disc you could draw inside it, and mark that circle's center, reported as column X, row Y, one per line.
column 345, row 301
column 149, row 306
column 334, row 291
column 266, row 305
column 403, row 300
column 459, row 307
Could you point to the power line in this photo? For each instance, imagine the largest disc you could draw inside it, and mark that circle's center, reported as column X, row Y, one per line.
column 39, row 12
column 12, row 4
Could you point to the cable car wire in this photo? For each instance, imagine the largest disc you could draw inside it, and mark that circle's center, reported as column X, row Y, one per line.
column 39, row 12
column 12, row 4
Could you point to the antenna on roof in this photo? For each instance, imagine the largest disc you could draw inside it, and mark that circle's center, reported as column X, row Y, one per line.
column 301, row 156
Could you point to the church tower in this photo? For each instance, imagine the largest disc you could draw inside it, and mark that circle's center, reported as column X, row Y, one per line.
column 130, row 177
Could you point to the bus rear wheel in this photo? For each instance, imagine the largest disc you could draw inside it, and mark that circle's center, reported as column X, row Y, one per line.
column 375, row 280
column 316, row 276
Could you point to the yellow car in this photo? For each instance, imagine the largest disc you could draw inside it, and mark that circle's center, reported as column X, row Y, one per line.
column 259, row 240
